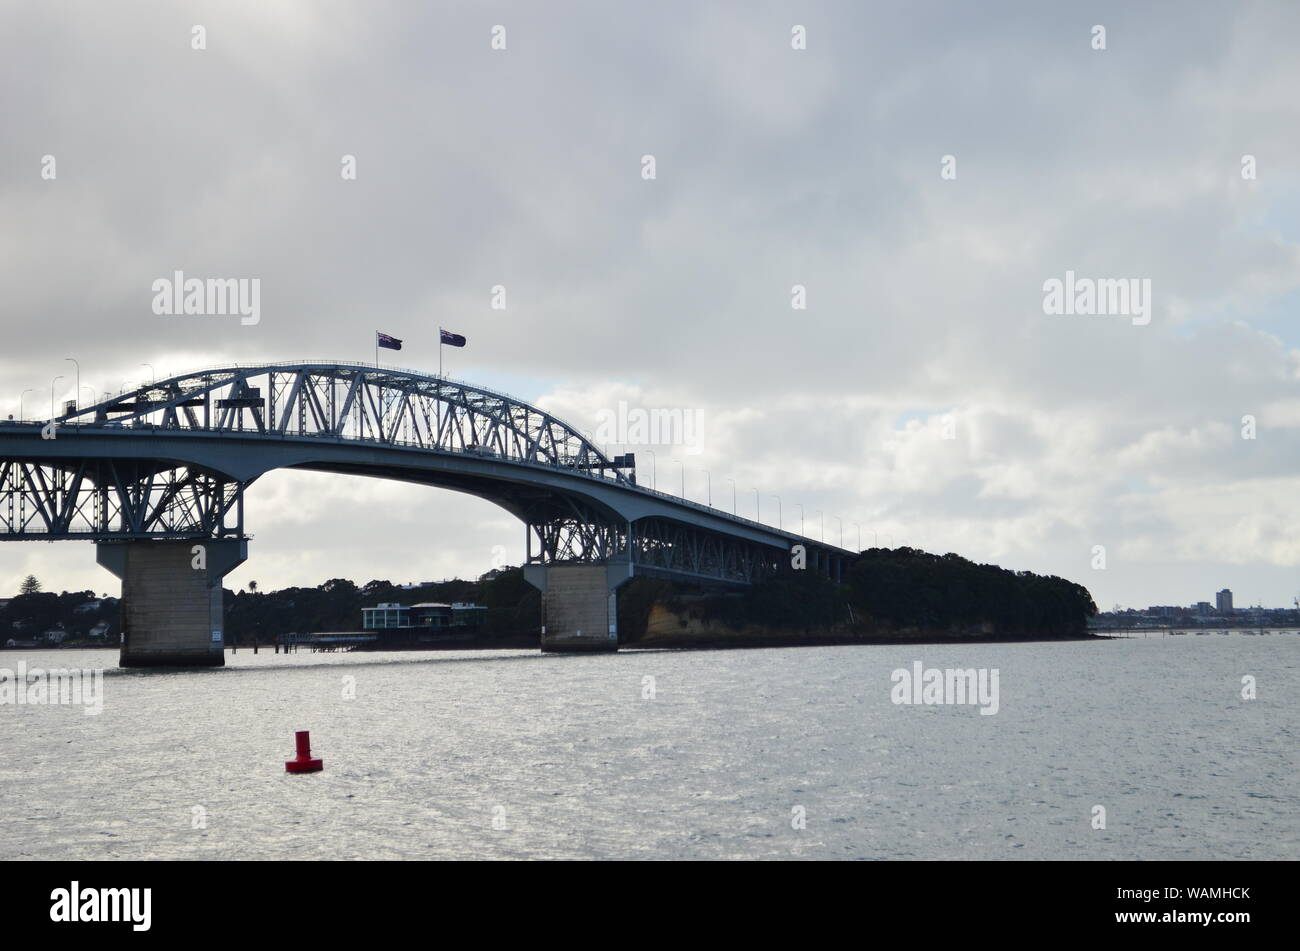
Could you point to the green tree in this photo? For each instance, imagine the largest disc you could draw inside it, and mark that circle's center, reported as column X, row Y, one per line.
column 30, row 585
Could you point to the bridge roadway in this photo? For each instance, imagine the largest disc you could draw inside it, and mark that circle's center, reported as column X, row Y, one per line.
column 151, row 474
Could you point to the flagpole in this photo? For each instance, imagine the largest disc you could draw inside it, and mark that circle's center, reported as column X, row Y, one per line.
column 440, row 353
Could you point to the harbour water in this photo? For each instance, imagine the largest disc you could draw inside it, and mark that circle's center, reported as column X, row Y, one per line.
column 765, row 753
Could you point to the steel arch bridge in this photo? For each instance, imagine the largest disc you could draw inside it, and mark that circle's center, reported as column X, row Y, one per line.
column 173, row 460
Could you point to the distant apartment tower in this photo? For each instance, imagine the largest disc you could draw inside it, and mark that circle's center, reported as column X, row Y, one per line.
column 1223, row 601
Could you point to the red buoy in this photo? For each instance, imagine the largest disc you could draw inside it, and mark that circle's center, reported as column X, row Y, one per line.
column 304, row 763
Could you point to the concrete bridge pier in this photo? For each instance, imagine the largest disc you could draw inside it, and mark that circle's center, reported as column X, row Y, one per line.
column 171, row 599
column 579, row 604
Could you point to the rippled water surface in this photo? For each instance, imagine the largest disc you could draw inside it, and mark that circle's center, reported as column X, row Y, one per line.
column 438, row 750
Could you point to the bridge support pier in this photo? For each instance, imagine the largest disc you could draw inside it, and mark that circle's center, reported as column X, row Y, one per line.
column 579, row 605
column 171, row 599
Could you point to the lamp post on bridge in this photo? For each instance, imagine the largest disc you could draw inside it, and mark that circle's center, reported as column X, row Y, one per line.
column 859, row 526
column 841, row 521
column 52, row 382
column 653, row 465
column 708, row 482
column 780, row 519
column 683, row 468
column 21, row 415
column 153, row 374
column 821, row 532
column 758, row 509
column 733, row 494
column 800, row 504
column 94, row 396
column 74, row 362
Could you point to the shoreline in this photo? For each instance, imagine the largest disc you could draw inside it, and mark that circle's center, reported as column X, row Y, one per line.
column 742, row 641
column 668, row 642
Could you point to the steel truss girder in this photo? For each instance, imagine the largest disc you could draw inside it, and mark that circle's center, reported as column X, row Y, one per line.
column 104, row 499
column 565, row 529
column 573, row 532
column 664, row 545
column 352, row 401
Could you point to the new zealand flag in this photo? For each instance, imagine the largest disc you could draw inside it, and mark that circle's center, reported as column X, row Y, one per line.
column 391, row 343
column 451, row 339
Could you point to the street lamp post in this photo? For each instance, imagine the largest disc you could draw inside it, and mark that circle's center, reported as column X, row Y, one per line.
column 22, row 417
column 800, row 504
column 758, row 508
column 859, row 527
column 841, row 521
column 653, row 465
column 708, row 483
column 780, row 519
column 821, row 531
column 52, row 382
column 733, row 494
column 74, row 362
column 153, row 374
column 683, row 468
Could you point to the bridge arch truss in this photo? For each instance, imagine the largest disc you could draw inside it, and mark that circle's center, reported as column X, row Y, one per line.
column 173, row 459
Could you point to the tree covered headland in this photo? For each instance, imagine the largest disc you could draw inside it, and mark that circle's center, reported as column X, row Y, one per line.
column 884, row 591
column 905, row 586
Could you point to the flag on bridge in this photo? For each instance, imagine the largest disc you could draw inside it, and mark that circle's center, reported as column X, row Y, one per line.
column 447, row 339
column 391, row 343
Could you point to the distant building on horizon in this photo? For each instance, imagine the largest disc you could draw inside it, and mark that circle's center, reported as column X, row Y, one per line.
column 1223, row 601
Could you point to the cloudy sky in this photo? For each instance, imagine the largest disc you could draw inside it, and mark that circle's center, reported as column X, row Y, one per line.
column 922, row 394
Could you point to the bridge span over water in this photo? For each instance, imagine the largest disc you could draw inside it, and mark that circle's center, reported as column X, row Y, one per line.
column 157, row 478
